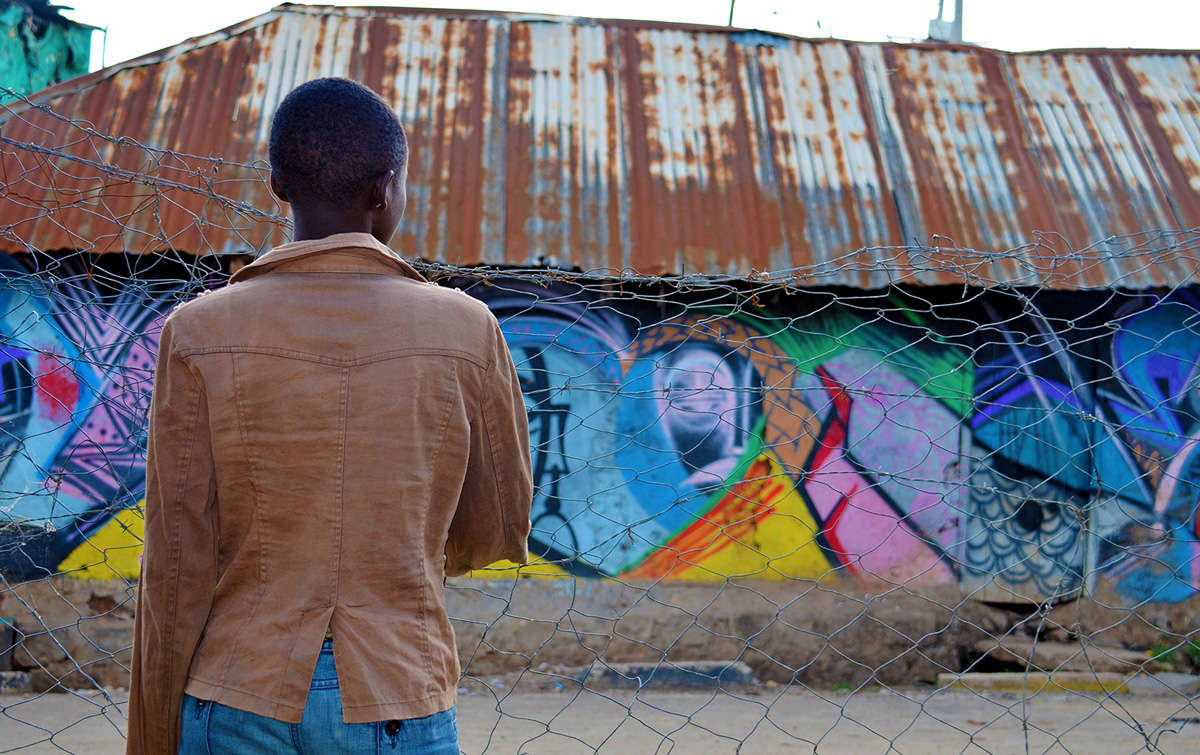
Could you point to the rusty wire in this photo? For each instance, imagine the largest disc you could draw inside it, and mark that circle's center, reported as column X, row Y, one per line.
column 770, row 516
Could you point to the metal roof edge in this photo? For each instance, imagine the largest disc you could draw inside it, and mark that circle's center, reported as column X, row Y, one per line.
column 1106, row 51
column 649, row 24
column 360, row 11
column 365, row 11
column 74, row 85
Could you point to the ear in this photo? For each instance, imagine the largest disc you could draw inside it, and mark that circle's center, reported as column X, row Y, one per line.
column 381, row 191
column 277, row 189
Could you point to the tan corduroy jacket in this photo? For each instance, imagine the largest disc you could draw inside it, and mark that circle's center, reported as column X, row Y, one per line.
column 329, row 435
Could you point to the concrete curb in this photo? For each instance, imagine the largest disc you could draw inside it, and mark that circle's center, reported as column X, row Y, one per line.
column 1166, row 683
column 666, row 675
column 15, row 683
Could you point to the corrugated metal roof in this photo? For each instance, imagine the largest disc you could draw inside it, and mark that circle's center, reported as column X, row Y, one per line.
column 655, row 148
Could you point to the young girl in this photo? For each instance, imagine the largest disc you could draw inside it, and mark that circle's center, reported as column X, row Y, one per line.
column 330, row 435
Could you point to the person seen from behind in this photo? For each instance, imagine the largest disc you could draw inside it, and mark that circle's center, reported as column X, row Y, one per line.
column 330, row 435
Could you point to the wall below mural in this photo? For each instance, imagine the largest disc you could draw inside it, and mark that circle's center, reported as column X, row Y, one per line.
column 1015, row 445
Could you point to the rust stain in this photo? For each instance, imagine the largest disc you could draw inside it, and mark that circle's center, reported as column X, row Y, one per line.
column 842, row 169
column 706, row 211
column 1184, row 202
column 792, row 214
column 577, row 180
column 646, row 198
column 932, row 192
column 1103, row 71
column 518, row 207
column 1039, row 209
column 616, row 209
column 437, row 109
column 759, row 215
column 1121, row 204
column 873, row 143
column 469, row 136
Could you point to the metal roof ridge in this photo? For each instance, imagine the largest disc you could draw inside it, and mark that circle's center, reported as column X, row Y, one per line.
column 368, row 11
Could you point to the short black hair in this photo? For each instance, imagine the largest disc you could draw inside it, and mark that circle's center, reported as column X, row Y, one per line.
column 330, row 138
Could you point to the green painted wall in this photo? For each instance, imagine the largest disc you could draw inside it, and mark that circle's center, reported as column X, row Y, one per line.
column 35, row 52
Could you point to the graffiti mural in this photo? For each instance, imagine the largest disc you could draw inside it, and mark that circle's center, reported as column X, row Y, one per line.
column 995, row 445
column 77, row 366
column 1150, row 467
column 701, row 443
column 714, row 443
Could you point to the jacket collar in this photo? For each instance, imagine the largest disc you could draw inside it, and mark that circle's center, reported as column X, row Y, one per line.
column 363, row 244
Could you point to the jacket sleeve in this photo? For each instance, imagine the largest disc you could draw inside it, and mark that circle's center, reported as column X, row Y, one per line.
column 492, row 519
column 178, row 577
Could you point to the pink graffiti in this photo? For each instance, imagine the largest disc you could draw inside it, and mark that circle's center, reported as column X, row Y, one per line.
column 860, row 527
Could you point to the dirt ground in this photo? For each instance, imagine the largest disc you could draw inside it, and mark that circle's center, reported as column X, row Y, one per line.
column 916, row 721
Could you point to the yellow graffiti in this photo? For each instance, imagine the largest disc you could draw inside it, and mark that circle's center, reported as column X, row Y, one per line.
column 731, row 541
column 537, row 567
column 114, row 551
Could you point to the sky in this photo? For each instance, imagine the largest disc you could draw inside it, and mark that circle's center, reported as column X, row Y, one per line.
column 136, row 27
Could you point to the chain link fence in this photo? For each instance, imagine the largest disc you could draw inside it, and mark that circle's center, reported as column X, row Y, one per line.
column 770, row 515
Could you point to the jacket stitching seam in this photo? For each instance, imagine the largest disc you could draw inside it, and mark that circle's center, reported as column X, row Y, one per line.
column 177, row 542
column 286, row 706
column 424, row 524
column 237, row 400
column 236, row 691
column 380, row 253
column 288, row 664
column 319, row 271
column 481, row 414
column 344, row 409
column 333, row 361
column 497, row 473
column 327, row 257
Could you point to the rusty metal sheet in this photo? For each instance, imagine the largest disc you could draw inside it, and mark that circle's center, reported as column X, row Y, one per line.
column 658, row 149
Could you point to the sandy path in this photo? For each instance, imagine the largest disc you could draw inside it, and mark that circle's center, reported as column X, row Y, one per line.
column 913, row 721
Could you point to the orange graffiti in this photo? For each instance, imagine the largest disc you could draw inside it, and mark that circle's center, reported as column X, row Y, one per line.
column 733, row 519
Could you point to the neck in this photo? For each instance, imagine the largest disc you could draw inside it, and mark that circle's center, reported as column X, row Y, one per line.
column 310, row 226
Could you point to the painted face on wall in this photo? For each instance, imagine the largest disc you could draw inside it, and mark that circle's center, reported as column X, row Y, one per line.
column 698, row 405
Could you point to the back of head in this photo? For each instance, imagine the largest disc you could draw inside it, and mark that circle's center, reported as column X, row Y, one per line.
column 330, row 139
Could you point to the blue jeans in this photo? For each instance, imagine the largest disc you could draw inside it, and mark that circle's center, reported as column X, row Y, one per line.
column 214, row 729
